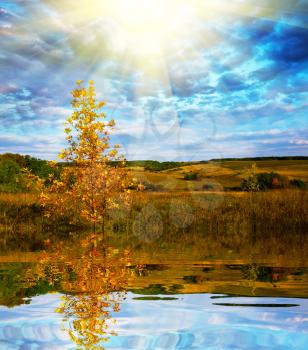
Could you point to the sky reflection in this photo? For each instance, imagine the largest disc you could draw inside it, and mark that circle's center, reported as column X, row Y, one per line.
column 190, row 322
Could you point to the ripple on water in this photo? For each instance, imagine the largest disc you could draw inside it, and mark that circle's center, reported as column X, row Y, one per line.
column 186, row 322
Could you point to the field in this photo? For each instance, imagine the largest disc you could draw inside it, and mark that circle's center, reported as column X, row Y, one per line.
column 172, row 207
column 218, row 176
column 290, row 168
column 261, row 223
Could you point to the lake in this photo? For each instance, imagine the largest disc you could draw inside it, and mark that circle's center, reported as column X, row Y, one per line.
column 96, row 295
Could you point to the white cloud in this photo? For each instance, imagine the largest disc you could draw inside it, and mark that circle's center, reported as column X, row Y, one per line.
column 299, row 142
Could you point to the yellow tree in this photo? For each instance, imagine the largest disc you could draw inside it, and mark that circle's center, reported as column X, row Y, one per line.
column 95, row 178
column 93, row 278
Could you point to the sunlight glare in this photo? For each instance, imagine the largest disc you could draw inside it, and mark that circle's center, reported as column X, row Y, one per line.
column 146, row 26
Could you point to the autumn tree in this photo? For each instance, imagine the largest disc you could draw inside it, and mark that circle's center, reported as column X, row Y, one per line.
column 95, row 178
column 92, row 278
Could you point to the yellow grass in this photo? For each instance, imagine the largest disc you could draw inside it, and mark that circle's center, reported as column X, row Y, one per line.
column 219, row 174
column 290, row 168
column 18, row 198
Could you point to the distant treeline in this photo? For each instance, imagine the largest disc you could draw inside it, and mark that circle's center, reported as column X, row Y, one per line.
column 154, row 165
column 260, row 158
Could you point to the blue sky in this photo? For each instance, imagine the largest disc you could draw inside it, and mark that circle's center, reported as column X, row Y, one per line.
column 183, row 82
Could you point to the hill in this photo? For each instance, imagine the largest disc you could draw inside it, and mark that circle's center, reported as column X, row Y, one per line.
column 214, row 175
column 218, row 175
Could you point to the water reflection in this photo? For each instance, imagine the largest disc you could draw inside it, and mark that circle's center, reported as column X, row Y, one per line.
column 80, row 293
column 93, row 278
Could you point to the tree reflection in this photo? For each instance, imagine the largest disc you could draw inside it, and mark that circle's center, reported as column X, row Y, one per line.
column 93, row 278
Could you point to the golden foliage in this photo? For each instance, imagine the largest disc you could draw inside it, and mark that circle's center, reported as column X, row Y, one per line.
column 93, row 278
column 95, row 178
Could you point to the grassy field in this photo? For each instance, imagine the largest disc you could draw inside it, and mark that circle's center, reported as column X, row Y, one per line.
column 218, row 175
column 290, row 168
column 223, row 219
column 174, row 208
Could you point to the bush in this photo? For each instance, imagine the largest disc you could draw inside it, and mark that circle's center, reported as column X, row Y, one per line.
column 264, row 181
column 272, row 180
column 191, row 176
column 208, row 187
column 250, row 184
column 297, row 183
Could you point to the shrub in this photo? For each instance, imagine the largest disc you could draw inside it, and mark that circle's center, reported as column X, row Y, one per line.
column 298, row 183
column 208, row 187
column 264, row 181
column 250, row 184
column 191, row 176
column 272, row 180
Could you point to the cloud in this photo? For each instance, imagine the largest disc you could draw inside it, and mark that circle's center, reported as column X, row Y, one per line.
column 299, row 142
column 288, row 45
column 238, row 85
column 230, row 82
column 8, row 88
column 44, row 147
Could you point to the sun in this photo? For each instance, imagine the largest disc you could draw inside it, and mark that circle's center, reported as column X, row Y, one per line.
column 147, row 26
column 141, row 28
column 137, row 14
column 145, row 34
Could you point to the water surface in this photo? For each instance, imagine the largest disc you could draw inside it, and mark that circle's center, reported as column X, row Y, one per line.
column 93, row 295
